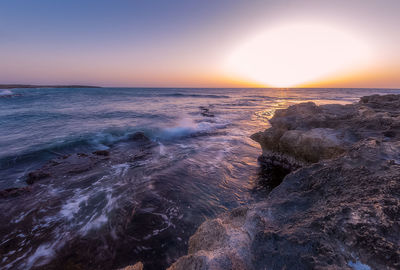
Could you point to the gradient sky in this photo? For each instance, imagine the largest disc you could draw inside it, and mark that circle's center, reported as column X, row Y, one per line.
column 177, row 43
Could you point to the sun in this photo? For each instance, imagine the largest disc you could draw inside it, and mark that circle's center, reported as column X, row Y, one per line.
column 294, row 54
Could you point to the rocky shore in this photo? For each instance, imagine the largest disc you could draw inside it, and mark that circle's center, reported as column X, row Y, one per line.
column 338, row 207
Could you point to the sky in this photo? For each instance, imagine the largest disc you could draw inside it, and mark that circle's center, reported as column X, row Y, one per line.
column 207, row 43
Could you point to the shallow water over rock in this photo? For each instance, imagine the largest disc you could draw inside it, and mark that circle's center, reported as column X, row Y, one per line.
column 333, row 209
column 141, row 195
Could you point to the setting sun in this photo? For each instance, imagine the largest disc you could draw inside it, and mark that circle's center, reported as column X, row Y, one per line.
column 295, row 54
column 181, row 135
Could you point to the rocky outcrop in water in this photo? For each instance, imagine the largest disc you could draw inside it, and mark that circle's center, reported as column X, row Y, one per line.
column 136, row 266
column 82, row 162
column 339, row 208
column 57, row 222
column 204, row 111
column 311, row 133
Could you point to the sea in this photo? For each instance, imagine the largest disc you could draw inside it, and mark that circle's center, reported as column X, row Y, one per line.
column 202, row 163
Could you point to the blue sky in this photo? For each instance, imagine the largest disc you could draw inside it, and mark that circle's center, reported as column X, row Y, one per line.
column 162, row 43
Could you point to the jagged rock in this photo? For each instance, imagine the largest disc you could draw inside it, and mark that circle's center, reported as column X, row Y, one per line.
column 139, row 136
column 36, row 175
column 274, row 168
column 83, row 162
column 70, row 164
column 325, row 216
column 136, row 266
column 45, row 212
column 337, row 213
column 311, row 133
column 101, row 153
column 205, row 112
column 14, row 192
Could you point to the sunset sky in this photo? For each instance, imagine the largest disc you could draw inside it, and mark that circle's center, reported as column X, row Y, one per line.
column 201, row 43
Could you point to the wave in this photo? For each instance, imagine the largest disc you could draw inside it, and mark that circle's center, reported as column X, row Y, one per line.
column 260, row 96
column 186, row 127
column 193, row 95
column 82, row 143
column 107, row 138
column 5, row 92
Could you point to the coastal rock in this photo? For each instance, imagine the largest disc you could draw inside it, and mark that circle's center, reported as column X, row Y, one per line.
column 14, row 192
column 36, row 175
column 205, row 112
column 70, row 164
column 80, row 203
column 73, row 164
column 312, row 133
column 136, row 266
column 335, row 210
column 101, row 153
column 326, row 216
column 139, row 136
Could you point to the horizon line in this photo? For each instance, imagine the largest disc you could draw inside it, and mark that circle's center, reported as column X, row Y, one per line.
column 24, row 85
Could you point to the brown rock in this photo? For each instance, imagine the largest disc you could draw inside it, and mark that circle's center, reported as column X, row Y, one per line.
column 136, row 266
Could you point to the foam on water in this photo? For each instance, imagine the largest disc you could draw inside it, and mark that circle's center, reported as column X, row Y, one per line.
column 199, row 166
column 40, row 256
column 358, row 265
column 5, row 92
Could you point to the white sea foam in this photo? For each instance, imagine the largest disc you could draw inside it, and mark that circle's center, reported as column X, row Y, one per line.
column 162, row 149
column 121, row 169
column 5, row 92
column 72, row 207
column 187, row 126
column 40, row 256
column 358, row 265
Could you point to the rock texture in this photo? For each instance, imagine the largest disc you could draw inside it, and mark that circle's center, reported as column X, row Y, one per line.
column 61, row 219
column 338, row 209
column 136, row 266
column 82, row 162
column 311, row 133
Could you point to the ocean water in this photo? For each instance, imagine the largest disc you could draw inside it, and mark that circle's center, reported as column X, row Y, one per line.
column 201, row 163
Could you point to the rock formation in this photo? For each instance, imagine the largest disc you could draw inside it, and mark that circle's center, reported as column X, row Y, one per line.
column 338, row 206
column 82, row 162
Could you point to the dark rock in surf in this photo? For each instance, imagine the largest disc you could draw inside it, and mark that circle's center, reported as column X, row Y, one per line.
column 36, row 175
column 139, row 137
column 14, row 192
column 101, row 153
column 70, row 165
column 338, row 208
column 205, row 112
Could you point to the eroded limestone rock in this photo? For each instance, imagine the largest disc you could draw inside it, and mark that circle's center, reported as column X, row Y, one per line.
column 312, row 133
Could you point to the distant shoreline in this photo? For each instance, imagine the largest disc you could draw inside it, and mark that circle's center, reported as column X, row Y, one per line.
column 12, row 86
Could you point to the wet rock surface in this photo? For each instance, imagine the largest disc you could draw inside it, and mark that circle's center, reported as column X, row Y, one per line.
column 82, row 162
column 337, row 208
column 311, row 133
column 60, row 218
column 136, row 266
column 204, row 111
